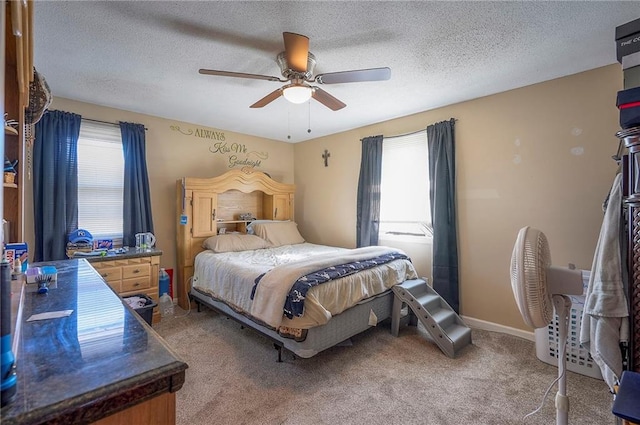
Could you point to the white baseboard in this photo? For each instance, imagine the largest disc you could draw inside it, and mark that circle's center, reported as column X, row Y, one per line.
column 495, row 327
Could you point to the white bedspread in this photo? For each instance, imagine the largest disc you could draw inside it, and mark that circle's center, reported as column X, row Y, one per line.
column 230, row 277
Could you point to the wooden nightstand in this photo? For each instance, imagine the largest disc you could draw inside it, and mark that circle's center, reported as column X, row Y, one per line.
column 130, row 273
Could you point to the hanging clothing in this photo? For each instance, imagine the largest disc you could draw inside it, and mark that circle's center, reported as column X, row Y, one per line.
column 605, row 315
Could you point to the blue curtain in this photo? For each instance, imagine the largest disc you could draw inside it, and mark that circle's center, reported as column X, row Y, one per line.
column 137, row 198
column 442, row 177
column 368, row 213
column 55, row 183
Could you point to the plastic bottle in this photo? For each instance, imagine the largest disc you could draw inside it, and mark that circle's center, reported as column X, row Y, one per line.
column 17, row 269
column 163, row 286
column 17, row 266
column 166, row 305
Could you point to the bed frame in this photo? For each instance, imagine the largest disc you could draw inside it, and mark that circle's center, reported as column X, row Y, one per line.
column 340, row 328
column 206, row 205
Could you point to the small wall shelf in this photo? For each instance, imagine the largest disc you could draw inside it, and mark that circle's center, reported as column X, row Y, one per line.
column 234, row 221
column 11, row 185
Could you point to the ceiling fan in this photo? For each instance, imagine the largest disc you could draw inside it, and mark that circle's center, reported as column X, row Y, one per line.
column 297, row 65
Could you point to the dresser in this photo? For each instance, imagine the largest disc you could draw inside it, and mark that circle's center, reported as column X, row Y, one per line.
column 100, row 364
column 130, row 273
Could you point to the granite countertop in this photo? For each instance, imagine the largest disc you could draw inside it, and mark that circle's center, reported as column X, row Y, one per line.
column 100, row 359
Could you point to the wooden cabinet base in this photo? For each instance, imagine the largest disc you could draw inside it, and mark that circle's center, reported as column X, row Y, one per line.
column 160, row 410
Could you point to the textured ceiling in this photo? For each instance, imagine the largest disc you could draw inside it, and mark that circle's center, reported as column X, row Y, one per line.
column 144, row 56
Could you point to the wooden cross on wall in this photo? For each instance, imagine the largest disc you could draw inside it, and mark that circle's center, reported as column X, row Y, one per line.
column 326, row 156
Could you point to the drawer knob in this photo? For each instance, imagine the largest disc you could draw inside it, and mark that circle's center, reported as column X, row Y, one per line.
column 136, row 271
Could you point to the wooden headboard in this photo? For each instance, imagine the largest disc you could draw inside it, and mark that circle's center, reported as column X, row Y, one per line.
column 204, row 206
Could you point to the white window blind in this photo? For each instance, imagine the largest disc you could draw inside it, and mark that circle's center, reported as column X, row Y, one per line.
column 100, row 180
column 404, row 197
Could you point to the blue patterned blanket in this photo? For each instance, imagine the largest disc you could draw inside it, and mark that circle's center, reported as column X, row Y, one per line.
column 294, row 304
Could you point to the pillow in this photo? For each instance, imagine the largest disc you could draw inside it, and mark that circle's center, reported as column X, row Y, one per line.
column 234, row 243
column 279, row 233
column 250, row 230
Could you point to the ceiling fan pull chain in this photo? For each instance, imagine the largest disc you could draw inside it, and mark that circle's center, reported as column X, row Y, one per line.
column 289, row 123
column 309, row 128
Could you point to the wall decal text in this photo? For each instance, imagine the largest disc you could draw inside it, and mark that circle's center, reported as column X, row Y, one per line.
column 200, row 132
column 238, row 153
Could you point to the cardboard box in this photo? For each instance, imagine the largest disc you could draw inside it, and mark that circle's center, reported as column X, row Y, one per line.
column 17, row 250
column 627, row 39
column 628, row 102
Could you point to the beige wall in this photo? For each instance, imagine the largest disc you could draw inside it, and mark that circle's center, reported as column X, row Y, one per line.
column 172, row 155
column 539, row 156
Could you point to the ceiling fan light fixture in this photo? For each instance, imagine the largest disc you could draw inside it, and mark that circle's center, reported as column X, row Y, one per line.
column 297, row 93
column 297, row 67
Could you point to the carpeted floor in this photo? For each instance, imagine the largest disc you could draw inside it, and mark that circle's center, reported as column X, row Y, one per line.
column 233, row 378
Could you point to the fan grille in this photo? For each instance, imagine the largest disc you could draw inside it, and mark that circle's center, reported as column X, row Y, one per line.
column 529, row 263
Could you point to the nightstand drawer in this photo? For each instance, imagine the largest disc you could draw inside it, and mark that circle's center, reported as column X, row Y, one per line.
column 116, row 285
column 136, row 283
column 110, row 274
column 136, row 270
column 103, row 264
column 111, row 263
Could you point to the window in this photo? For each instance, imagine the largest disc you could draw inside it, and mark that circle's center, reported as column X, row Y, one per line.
column 100, row 180
column 404, row 191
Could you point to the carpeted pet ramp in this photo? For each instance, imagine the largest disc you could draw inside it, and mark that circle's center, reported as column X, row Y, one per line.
column 447, row 329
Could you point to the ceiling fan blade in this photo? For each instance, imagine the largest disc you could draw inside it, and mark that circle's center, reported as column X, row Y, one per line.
column 267, row 99
column 355, row 76
column 296, row 51
column 239, row 75
column 327, row 100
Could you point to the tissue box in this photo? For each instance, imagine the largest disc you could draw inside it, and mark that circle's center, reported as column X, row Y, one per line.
column 102, row 244
column 17, row 250
column 35, row 275
column 46, row 272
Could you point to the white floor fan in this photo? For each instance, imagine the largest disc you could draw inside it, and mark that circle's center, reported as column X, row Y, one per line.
column 539, row 288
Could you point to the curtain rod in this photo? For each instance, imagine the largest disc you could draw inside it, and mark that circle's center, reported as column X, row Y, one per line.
column 410, row 133
column 405, row 134
column 106, row 122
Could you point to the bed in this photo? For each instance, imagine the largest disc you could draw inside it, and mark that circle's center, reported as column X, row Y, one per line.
column 261, row 272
